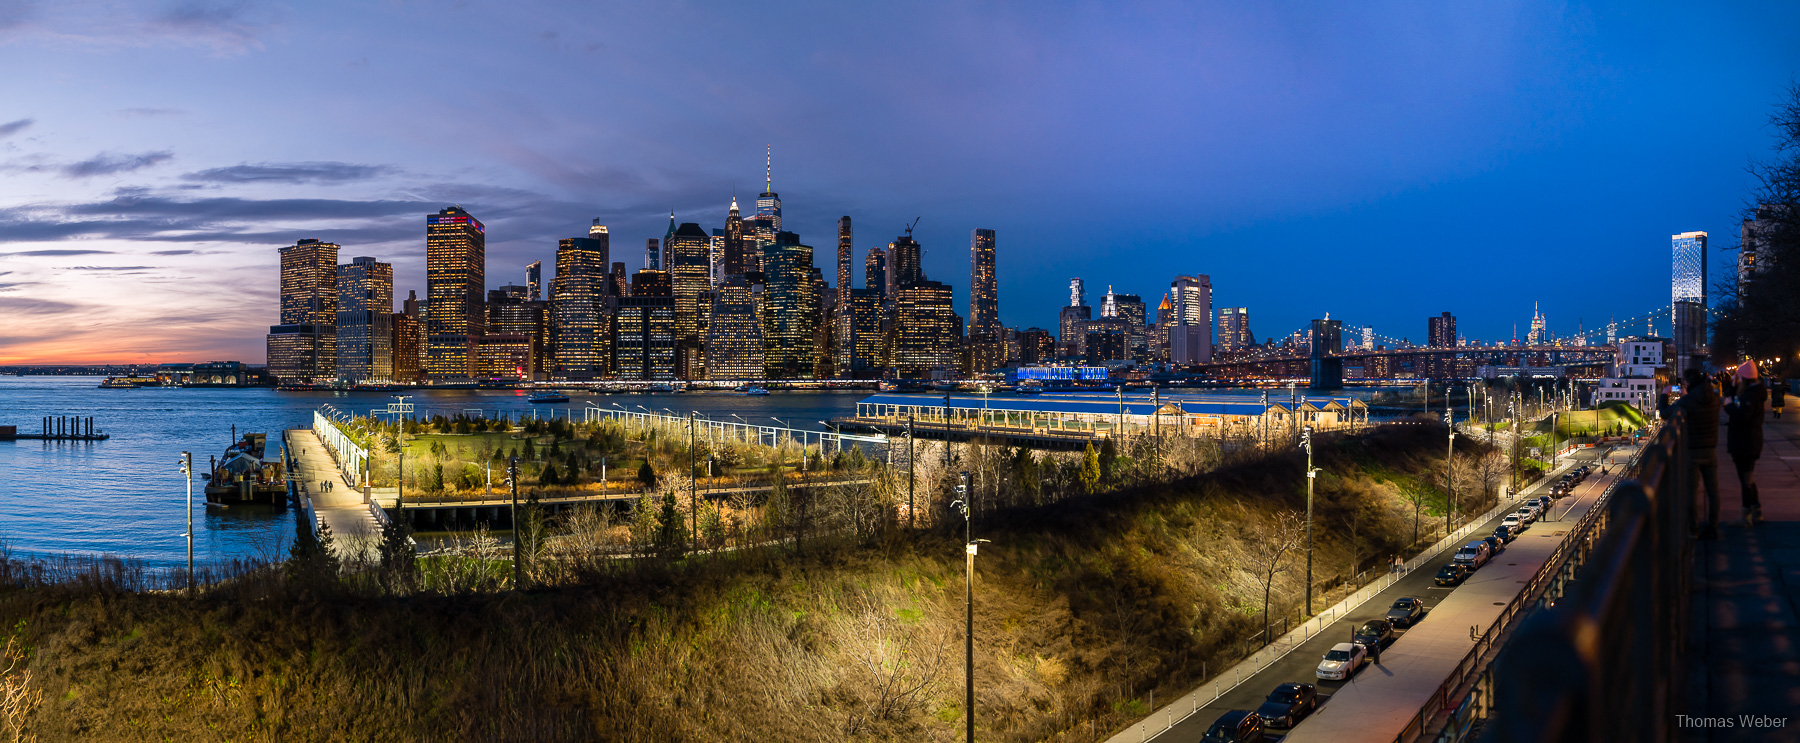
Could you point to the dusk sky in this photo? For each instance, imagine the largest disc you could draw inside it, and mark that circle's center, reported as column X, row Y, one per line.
column 1379, row 161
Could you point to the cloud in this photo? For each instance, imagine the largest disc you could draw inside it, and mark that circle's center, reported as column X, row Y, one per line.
column 149, row 112
column 301, row 172
column 27, row 306
column 60, row 252
column 13, row 127
column 177, row 252
column 227, row 25
column 110, row 164
column 110, row 268
column 14, row 13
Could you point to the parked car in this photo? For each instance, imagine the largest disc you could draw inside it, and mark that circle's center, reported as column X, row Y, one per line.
column 1451, row 574
column 1527, row 513
column 1235, row 726
column 1513, row 522
column 1288, row 704
column 1495, row 544
column 1543, row 501
column 1373, row 632
column 1474, row 554
column 1406, row 611
column 1505, row 533
column 1341, row 661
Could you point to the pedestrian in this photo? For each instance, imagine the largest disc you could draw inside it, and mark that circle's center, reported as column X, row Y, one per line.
column 1744, row 437
column 1701, row 403
column 1778, row 395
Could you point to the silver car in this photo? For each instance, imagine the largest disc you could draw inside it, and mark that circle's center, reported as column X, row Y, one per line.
column 1342, row 660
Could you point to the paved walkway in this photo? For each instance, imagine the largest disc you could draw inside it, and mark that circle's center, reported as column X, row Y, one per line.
column 1187, row 718
column 353, row 527
column 1746, row 589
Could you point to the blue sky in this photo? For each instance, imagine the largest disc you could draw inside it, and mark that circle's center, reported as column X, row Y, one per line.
column 1379, row 161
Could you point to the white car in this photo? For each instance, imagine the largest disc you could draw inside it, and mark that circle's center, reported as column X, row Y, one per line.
column 1342, row 660
column 1527, row 514
column 1513, row 523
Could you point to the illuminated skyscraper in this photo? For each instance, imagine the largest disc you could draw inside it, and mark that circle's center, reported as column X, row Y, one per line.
column 303, row 347
column 875, row 271
column 1190, row 328
column 905, row 262
column 514, row 314
column 739, row 258
column 409, row 340
column 1069, row 326
column 734, row 343
column 1689, row 284
column 1537, row 334
column 789, row 309
column 579, row 332
column 455, row 280
column 768, row 203
column 845, row 254
column 1234, row 329
column 859, row 347
column 645, row 344
column 689, row 248
column 365, row 311
column 534, row 272
column 1440, row 331
column 653, row 255
column 987, row 337
column 928, row 331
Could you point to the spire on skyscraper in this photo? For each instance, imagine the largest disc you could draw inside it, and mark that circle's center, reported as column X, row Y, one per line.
column 769, row 170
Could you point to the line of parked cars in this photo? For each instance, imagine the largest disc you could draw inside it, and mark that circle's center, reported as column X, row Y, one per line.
column 1567, row 483
column 1292, row 702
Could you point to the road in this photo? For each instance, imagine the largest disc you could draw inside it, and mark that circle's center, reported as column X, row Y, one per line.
column 1299, row 665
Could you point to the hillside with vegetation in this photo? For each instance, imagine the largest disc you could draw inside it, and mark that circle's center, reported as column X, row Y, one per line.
column 1109, row 575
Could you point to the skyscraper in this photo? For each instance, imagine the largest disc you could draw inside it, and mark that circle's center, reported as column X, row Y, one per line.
column 409, row 340
column 515, row 319
column 987, row 336
column 1440, row 331
column 534, row 271
column 689, row 277
column 1536, row 334
column 455, row 279
column 734, row 343
column 788, row 309
column 303, row 347
column 1190, row 329
column 645, row 343
column 1234, row 329
column 579, row 332
column 927, row 330
column 652, row 255
column 1689, row 284
column 859, row 347
column 905, row 262
column 365, row 310
column 845, row 254
column 1070, row 323
column 1130, row 308
column 875, row 271
column 768, row 203
column 738, row 258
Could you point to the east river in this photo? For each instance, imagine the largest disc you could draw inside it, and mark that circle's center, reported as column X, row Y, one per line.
column 125, row 496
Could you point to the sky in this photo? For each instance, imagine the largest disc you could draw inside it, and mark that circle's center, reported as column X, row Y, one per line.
column 1381, row 162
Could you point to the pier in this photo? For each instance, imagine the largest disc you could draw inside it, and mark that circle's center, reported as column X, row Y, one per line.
column 58, row 428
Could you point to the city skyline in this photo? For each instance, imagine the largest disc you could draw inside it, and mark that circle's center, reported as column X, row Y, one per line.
column 141, row 194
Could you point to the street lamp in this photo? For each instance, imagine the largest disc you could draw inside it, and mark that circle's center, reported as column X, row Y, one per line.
column 1449, row 469
column 969, row 546
column 187, row 474
column 1311, row 472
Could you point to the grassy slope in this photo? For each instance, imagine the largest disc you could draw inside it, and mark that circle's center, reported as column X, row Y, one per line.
column 1082, row 609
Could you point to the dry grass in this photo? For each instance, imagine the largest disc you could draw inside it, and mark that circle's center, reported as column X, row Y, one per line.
column 1084, row 606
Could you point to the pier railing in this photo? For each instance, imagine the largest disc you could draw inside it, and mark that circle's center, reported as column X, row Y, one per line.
column 352, row 460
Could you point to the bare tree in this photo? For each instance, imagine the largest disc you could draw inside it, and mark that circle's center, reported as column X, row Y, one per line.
column 900, row 662
column 1271, row 542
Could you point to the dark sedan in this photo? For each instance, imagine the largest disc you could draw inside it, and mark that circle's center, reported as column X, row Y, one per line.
column 1495, row 543
column 1373, row 632
column 1451, row 574
column 1505, row 533
column 1406, row 611
column 1288, row 704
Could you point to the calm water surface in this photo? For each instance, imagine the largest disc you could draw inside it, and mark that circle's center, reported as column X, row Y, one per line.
column 126, row 496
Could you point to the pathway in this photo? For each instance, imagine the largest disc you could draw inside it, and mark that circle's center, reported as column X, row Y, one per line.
column 353, row 526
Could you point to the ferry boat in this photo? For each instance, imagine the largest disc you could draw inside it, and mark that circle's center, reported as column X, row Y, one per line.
column 246, row 473
column 753, row 391
column 1031, row 387
column 118, row 383
column 542, row 397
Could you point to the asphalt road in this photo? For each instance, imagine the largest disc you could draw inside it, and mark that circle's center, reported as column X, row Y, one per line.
column 1300, row 664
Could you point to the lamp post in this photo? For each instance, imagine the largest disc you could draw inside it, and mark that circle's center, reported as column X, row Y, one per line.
column 512, row 478
column 187, row 473
column 911, row 515
column 961, row 504
column 1306, row 441
column 693, row 483
column 1449, row 470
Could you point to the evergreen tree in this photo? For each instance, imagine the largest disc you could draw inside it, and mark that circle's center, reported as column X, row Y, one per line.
column 549, row 477
column 399, row 564
column 530, row 451
column 670, row 529
column 1090, row 469
column 647, row 475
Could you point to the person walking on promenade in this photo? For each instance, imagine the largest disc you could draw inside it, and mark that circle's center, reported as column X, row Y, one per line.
column 1744, row 436
column 1778, row 395
column 1701, row 402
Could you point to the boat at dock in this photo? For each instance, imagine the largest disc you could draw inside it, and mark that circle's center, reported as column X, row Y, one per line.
column 547, row 397
column 118, row 383
column 753, row 391
column 247, row 473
